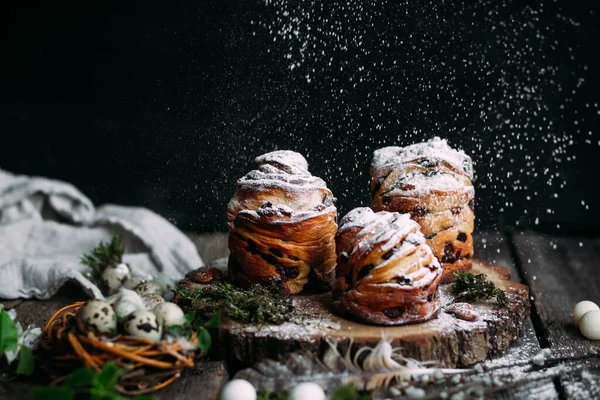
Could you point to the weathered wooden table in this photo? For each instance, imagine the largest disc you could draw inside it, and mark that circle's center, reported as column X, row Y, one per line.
column 559, row 270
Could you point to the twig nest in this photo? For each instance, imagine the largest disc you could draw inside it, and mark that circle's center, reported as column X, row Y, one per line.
column 589, row 325
column 152, row 300
column 581, row 308
column 114, row 277
column 307, row 391
column 143, row 324
column 150, row 287
column 238, row 389
column 169, row 314
column 124, row 307
column 97, row 316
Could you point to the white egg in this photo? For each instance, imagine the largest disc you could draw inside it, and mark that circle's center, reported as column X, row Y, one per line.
column 114, row 277
column 143, row 324
column 238, row 389
column 169, row 314
column 589, row 325
column 152, row 300
column 307, row 391
column 97, row 316
column 125, row 307
column 581, row 308
column 149, row 287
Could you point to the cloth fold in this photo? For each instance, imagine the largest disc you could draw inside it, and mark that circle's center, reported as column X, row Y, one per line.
column 47, row 225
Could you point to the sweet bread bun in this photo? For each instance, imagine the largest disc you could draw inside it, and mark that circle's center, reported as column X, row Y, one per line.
column 386, row 274
column 433, row 183
column 282, row 225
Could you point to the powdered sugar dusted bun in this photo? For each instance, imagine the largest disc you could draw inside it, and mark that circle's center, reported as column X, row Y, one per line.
column 282, row 224
column 432, row 182
column 386, row 274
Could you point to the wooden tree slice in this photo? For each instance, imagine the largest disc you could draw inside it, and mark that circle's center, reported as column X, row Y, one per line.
column 448, row 340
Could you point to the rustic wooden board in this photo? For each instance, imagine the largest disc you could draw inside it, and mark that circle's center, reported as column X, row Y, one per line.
column 447, row 339
column 561, row 272
column 494, row 248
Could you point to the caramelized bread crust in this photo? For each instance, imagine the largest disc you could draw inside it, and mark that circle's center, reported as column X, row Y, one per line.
column 386, row 274
column 282, row 224
column 433, row 183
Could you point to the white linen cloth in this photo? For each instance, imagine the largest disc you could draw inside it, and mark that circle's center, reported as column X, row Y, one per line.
column 47, row 225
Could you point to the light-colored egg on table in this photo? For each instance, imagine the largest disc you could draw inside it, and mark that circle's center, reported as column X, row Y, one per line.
column 169, row 314
column 589, row 325
column 125, row 307
column 143, row 324
column 97, row 316
column 149, row 287
column 581, row 308
column 307, row 391
column 238, row 389
column 152, row 300
column 115, row 277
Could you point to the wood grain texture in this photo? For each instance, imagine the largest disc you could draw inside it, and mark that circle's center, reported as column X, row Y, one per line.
column 561, row 272
column 494, row 248
column 449, row 340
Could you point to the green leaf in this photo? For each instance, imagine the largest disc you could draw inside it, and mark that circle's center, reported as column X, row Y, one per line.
column 26, row 364
column 204, row 340
column 80, row 377
column 109, row 375
column 52, row 393
column 213, row 322
column 8, row 333
column 190, row 317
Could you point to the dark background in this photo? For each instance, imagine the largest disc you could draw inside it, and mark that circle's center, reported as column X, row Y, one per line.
column 165, row 104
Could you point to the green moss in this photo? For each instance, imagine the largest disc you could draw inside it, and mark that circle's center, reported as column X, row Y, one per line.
column 260, row 304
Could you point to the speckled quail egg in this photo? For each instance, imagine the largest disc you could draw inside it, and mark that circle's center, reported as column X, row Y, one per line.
column 125, row 307
column 581, row 308
column 169, row 314
column 97, row 316
column 114, row 277
column 143, row 324
column 136, row 280
column 149, row 287
column 238, row 389
column 307, row 391
column 152, row 300
column 589, row 325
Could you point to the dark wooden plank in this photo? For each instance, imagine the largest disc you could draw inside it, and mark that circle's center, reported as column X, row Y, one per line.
column 494, row 248
column 203, row 382
column 562, row 271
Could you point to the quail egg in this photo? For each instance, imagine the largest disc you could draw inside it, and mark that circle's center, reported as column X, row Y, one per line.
column 152, row 300
column 136, row 280
column 149, row 287
column 169, row 314
column 114, row 277
column 97, row 316
column 143, row 324
column 125, row 307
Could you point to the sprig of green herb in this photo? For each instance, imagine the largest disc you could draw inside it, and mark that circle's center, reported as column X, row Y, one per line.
column 193, row 323
column 104, row 256
column 260, row 304
column 471, row 287
column 272, row 396
column 84, row 382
